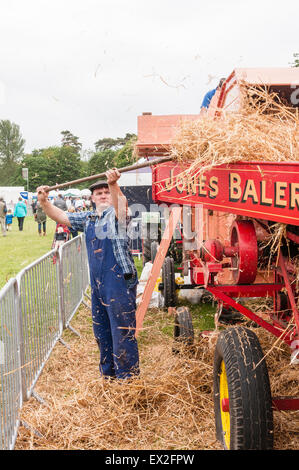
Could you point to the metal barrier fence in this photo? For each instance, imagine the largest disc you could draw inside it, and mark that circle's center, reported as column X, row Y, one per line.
column 40, row 319
column 72, row 290
column 10, row 365
column 34, row 309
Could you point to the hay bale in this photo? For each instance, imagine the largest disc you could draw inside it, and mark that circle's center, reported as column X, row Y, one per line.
column 264, row 129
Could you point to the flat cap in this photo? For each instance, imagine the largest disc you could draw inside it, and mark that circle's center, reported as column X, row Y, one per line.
column 98, row 184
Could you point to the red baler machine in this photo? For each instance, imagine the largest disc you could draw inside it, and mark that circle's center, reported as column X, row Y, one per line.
column 234, row 209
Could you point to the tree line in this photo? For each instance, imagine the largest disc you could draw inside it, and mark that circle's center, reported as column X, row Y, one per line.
column 58, row 164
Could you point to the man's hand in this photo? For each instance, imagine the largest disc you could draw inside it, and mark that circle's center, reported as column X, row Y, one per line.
column 112, row 176
column 42, row 194
column 53, row 212
column 119, row 201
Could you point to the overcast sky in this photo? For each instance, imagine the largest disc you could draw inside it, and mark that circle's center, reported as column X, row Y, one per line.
column 93, row 66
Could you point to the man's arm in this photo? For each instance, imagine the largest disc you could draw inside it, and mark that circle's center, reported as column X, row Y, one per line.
column 52, row 211
column 119, row 200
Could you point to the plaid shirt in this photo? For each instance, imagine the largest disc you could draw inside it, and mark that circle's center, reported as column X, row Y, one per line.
column 107, row 226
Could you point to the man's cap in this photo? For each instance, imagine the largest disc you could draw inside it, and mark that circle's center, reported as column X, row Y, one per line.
column 98, row 184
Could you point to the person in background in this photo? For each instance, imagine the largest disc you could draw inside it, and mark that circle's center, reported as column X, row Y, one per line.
column 79, row 205
column 73, row 232
column 41, row 219
column 3, row 211
column 68, row 203
column 60, row 236
column 209, row 95
column 33, row 206
column 20, row 212
column 60, row 203
column 8, row 220
column 87, row 203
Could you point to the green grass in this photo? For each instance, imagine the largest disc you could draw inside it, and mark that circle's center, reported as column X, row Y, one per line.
column 202, row 317
column 19, row 249
column 139, row 265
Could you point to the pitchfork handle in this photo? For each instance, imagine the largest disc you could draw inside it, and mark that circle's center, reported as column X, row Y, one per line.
column 136, row 166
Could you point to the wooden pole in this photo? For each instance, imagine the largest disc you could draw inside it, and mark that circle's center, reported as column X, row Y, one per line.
column 136, row 166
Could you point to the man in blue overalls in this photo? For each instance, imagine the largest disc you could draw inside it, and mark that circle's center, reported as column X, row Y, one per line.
column 113, row 275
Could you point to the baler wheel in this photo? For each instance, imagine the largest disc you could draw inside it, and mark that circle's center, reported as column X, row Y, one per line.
column 168, row 279
column 242, row 394
column 183, row 329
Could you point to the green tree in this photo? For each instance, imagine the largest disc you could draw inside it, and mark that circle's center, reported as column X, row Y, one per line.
column 11, row 151
column 65, row 165
column 111, row 143
column 71, row 140
column 101, row 162
column 296, row 60
column 38, row 170
column 125, row 156
column 107, row 143
column 51, row 166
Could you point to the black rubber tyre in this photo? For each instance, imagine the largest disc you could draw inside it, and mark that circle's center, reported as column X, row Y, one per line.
column 183, row 329
column 154, row 249
column 169, row 286
column 248, row 425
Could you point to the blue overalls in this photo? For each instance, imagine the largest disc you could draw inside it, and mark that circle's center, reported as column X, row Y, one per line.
column 113, row 309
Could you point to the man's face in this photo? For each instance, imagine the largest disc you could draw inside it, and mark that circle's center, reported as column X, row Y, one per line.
column 101, row 197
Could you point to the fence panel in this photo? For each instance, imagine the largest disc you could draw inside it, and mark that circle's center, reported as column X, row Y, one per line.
column 72, row 277
column 40, row 314
column 10, row 365
column 84, row 265
column 34, row 309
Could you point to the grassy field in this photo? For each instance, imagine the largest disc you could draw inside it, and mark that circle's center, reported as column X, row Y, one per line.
column 18, row 249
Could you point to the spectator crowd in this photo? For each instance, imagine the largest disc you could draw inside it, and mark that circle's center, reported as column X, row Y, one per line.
column 20, row 211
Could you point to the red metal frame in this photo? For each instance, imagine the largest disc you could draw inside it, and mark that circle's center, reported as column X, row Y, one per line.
column 285, row 335
column 266, row 192
column 278, row 404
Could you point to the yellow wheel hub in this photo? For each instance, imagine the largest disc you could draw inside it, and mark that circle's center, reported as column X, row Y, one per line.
column 225, row 416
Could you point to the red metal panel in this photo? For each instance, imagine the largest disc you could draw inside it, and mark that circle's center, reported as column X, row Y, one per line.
column 279, row 404
column 160, row 130
column 285, row 403
column 267, row 75
column 265, row 190
column 251, row 290
column 286, row 336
